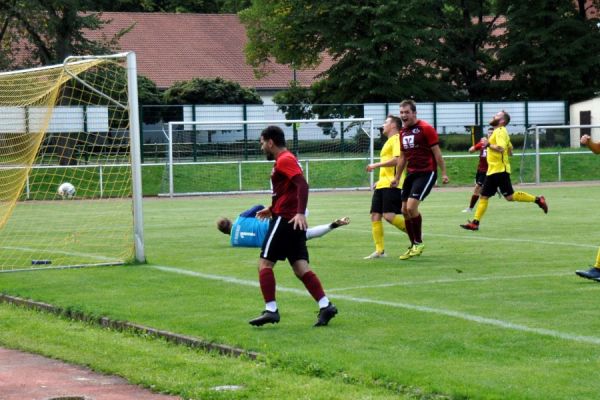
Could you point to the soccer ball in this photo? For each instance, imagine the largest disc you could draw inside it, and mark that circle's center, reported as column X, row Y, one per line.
column 66, row 190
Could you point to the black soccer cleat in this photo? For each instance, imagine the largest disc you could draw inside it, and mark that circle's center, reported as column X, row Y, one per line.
column 592, row 273
column 266, row 317
column 325, row 315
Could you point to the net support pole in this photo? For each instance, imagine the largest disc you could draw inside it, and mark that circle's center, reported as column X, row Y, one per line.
column 537, row 156
column 136, row 161
column 170, row 161
column 371, row 151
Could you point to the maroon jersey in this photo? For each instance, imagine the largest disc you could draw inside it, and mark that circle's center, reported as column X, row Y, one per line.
column 417, row 141
column 285, row 192
column 482, row 166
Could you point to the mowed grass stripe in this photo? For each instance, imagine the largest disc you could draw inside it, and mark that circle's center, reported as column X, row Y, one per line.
column 413, row 307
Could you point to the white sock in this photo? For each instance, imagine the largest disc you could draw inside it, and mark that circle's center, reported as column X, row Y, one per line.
column 323, row 302
column 271, row 306
column 317, row 231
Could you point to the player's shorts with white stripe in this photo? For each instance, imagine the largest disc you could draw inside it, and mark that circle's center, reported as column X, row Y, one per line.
column 283, row 241
column 418, row 185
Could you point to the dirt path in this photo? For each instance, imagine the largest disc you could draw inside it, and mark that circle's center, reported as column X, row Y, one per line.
column 25, row 376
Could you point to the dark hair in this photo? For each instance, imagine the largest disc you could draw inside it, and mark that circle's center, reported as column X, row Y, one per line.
column 275, row 134
column 224, row 225
column 410, row 103
column 396, row 120
column 506, row 117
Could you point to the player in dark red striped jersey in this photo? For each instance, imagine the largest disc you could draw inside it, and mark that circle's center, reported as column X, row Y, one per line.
column 286, row 237
column 421, row 156
column 482, row 167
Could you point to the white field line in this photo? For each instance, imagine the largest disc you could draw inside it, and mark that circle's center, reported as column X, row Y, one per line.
column 477, row 236
column 449, row 280
column 438, row 311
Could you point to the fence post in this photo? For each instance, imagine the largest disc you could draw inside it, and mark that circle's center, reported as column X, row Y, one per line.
column 342, row 139
column 142, row 134
column 245, row 114
column 526, row 115
column 240, row 175
column 559, row 168
column 435, row 115
column 194, row 154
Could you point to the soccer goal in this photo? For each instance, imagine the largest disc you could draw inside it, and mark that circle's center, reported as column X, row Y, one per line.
column 75, row 127
column 216, row 157
column 552, row 153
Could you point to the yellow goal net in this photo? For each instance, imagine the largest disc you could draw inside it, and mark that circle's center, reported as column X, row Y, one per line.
column 70, row 180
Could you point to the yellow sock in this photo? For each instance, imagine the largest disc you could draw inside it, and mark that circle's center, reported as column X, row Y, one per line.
column 523, row 197
column 377, row 228
column 399, row 223
column 597, row 265
column 481, row 207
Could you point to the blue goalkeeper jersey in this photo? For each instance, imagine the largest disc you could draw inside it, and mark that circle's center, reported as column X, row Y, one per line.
column 249, row 231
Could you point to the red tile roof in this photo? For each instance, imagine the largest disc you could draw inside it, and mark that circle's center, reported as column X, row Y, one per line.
column 176, row 47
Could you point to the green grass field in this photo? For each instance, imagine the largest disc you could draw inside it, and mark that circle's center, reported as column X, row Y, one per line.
column 494, row 314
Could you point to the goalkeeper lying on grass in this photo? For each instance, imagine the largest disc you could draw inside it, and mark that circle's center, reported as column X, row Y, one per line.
column 249, row 231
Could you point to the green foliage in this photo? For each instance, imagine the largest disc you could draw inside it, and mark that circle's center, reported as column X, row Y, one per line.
column 148, row 93
column 429, row 49
column 54, row 29
column 551, row 51
column 465, row 55
column 173, row 6
column 210, row 91
column 294, row 102
column 374, row 52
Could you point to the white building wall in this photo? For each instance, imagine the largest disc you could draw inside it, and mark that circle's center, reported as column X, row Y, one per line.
column 592, row 105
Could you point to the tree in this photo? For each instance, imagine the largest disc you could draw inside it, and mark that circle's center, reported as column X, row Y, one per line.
column 148, row 93
column 551, row 50
column 210, row 91
column 379, row 55
column 463, row 55
column 178, row 6
column 54, row 29
column 295, row 102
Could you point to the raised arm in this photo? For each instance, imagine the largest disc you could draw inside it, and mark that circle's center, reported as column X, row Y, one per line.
column 586, row 140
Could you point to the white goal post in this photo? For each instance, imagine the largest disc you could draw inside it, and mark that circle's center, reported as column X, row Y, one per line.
column 73, row 125
column 346, row 141
column 574, row 136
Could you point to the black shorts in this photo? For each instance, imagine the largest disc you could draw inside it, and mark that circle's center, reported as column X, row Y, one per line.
column 283, row 241
column 497, row 181
column 386, row 200
column 418, row 185
column 480, row 178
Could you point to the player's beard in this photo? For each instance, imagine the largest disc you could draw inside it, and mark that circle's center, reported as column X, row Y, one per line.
column 270, row 156
column 494, row 122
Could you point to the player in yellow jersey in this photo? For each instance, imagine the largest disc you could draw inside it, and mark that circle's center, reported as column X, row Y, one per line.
column 594, row 272
column 387, row 200
column 498, row 173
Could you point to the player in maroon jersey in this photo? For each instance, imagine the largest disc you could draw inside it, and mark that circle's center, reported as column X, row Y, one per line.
column 482, row 167
column 421, row 156
column 286, row 237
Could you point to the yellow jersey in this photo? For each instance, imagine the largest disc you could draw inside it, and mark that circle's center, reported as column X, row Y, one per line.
column 390, row 150
column 499, row 162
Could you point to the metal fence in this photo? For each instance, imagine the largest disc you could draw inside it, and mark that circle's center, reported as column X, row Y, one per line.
column 458, row 117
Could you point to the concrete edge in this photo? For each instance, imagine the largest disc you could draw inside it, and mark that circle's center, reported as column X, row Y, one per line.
column 122, row 326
